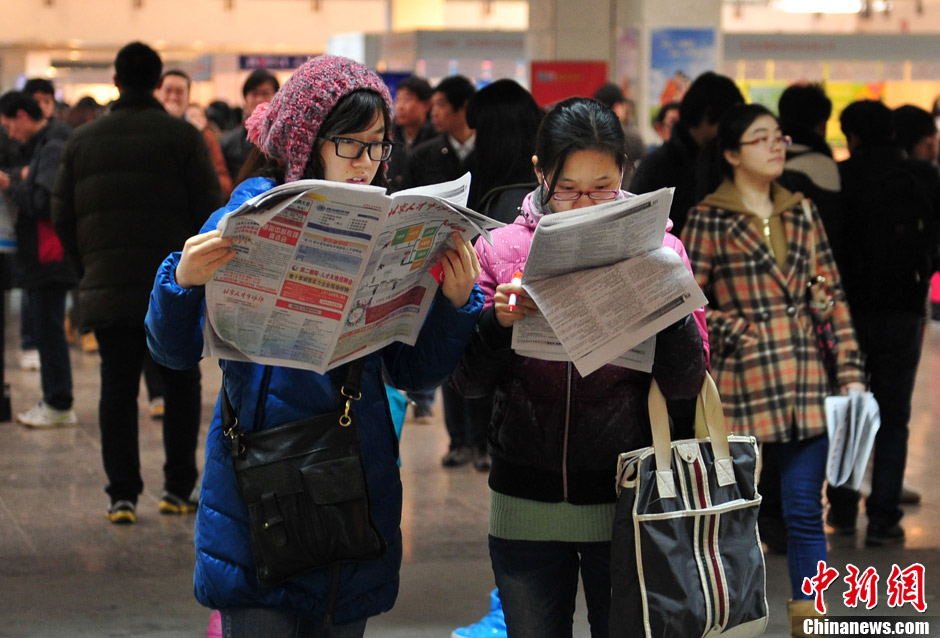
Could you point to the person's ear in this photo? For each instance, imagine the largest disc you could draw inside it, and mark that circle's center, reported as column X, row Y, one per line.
column 538, row 173
column 733, row 157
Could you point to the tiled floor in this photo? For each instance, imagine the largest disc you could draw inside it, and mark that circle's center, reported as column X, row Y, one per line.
column 64, row 571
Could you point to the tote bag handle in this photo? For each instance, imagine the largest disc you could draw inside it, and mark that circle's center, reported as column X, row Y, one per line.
column 708, row 416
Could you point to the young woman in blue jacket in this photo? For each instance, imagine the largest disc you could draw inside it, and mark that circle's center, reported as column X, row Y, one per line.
column 294, row 136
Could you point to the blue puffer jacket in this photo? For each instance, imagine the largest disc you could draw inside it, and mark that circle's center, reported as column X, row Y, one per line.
column 267, row 396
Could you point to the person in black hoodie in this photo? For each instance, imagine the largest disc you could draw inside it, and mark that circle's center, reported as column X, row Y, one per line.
column 891, row 204
column 45, row 275
column 412, row 127
column 675, row 163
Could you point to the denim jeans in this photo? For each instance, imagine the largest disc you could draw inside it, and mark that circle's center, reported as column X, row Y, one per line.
column 802, row 472
column 538, row 583
column 123, row 349
column 47, row 313
column 892, row 345
column 466, row 420
column 264, row 622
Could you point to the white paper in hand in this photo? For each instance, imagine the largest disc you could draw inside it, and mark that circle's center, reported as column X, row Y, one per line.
column 853, row 422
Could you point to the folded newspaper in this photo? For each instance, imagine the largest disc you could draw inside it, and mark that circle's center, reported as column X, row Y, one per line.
column 604, row 284
column 853, row 422
column 326, row 272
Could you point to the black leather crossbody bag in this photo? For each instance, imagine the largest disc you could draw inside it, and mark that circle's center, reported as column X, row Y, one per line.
column 305, row 488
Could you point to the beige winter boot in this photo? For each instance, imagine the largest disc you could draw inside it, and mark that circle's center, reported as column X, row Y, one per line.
column 800, row 611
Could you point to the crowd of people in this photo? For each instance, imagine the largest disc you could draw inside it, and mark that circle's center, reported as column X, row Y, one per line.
column 760, row 208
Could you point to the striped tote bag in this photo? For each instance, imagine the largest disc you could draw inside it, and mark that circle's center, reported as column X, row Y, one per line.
column 686, row 559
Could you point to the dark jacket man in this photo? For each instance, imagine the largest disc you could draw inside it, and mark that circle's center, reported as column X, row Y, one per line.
column 439, row 159
column 133, row 186
column 891, row 205
column 436, row 161
column 44, row 272
column 399, row 164
column 675, row 163
column 260, row 86
column 40, row 257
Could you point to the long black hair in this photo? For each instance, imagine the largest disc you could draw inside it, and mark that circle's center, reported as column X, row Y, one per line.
column 714, row 168
column 352, row 114
column 576, row 124
column 506, row 119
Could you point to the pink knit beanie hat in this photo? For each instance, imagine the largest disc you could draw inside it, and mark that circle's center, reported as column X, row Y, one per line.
column 286, row 127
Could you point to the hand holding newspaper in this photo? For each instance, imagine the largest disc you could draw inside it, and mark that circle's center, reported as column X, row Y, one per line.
column 327, row 271
column 604, row 284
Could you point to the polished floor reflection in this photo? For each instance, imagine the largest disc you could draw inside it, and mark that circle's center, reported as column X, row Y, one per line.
column 65, row 571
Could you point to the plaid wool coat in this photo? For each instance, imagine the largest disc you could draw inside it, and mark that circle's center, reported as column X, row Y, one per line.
column 764, row 357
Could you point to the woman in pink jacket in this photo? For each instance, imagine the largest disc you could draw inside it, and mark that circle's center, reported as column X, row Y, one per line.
column 554, row 436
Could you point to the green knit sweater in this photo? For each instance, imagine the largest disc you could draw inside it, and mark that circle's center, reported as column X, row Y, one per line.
column 515, row 518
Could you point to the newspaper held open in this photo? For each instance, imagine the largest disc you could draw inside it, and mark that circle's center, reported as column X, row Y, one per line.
column 605, row 284
column 327, row 271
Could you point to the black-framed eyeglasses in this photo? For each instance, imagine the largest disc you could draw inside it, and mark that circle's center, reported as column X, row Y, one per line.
column 769, row 141
column 348, row 148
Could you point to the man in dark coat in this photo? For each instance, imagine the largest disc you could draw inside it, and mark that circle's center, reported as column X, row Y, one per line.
column 441, row 159
column 891, row 205
column 260, row 86
column 43, row 271
column 132, row 187
column 411, row 128
column 447, row 156
column 675, row 163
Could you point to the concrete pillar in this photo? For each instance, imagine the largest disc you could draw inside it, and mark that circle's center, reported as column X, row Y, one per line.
column 17, row 63
column 620, row 32
column 12, row 65
column 571, row 29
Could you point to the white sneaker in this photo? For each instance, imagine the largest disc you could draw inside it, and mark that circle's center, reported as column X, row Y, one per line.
column 45, row 416
column 29, row 359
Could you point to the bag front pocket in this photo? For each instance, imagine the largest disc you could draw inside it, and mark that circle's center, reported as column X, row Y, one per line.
column 335, row 493
column 304, row 485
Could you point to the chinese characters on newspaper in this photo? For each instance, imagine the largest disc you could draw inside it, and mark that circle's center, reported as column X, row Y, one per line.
column 327, row 272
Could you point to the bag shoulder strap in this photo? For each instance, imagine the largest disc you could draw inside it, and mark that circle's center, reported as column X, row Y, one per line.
column 347, row 390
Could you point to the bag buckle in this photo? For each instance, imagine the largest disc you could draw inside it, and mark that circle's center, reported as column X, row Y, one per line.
column 230, row 430
column 236, row 448
column 345, row 419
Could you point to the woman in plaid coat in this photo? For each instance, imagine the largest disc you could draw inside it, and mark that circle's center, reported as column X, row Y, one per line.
column 749, row 243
